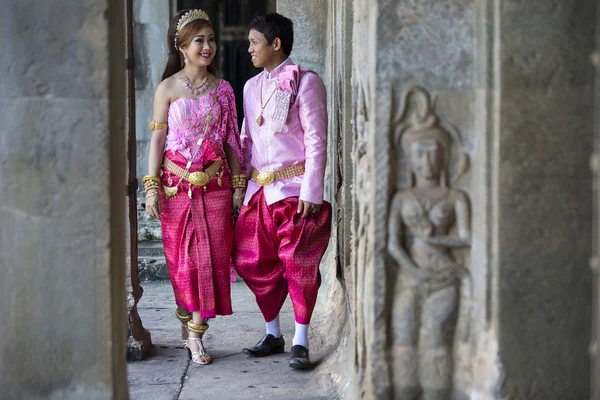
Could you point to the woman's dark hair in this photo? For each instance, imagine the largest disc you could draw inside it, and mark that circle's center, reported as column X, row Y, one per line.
column 184, row 38
column 274, row 25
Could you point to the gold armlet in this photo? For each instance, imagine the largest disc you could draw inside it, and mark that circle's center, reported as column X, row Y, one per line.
column 150, row 178
column 155, row 126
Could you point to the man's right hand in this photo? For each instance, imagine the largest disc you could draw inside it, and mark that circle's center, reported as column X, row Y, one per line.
column 307, row 208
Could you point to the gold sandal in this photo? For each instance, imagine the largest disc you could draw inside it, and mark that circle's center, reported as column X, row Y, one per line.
column 201, row 356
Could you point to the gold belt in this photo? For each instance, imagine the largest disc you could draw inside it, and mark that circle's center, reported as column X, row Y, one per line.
column 198, row 178
column 265, row 178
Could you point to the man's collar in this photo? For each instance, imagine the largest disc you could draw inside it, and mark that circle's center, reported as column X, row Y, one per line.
column 277, row 71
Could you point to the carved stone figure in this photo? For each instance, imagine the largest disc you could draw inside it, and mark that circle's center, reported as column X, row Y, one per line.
column 428, row 221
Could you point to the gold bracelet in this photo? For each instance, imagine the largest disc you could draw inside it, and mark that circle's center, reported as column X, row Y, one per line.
column 151, row 178
column 151, row 194
column 152, row 185
column 239, row 197
column 155, row 126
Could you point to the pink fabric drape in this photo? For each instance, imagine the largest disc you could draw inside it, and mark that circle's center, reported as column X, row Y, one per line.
column 278, row 252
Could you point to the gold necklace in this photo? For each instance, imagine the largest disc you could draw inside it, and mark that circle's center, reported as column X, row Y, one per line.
column 259, row 120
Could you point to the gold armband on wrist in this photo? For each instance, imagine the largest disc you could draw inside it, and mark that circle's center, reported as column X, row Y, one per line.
column 151, row 183
column 239, row 181
column 155, row 126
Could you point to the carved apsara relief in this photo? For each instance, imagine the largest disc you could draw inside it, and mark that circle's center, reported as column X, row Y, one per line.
column 429, row 224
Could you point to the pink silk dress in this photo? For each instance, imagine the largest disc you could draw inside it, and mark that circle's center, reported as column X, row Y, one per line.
column 197, row 232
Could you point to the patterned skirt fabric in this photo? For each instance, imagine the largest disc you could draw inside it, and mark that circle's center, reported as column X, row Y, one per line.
column 197, row 238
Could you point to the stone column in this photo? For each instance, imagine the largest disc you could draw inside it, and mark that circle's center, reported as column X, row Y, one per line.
column 541, row 129
column 62, row 103
column 138, row 338
column 151, row 22
column 595, row 259
column 505, row 89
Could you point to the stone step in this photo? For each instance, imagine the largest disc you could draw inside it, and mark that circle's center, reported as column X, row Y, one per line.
column 152, row 269
column 149, row 231
column 150, row 249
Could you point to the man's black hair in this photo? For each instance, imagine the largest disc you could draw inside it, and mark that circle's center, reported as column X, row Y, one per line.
column 274, row 25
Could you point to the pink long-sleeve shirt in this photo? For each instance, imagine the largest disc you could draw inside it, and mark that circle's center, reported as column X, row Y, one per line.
column 303, row 138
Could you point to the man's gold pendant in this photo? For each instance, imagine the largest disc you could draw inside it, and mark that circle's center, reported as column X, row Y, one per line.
column 259, row 120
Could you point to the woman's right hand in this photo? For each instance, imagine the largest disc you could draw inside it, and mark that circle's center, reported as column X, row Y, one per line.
column 153, row 206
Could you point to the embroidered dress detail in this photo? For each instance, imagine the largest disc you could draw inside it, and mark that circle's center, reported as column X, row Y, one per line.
column 282, row 106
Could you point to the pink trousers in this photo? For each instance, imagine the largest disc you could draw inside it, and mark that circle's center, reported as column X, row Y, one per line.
column 277, row 252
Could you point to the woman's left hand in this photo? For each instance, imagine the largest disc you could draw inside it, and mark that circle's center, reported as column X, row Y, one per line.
column 238, row 201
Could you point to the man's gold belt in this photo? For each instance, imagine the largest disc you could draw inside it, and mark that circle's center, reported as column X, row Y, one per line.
column 198, row 178
column 265, row 178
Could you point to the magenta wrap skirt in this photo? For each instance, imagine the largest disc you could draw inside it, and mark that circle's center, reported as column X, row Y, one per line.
column 197, row 238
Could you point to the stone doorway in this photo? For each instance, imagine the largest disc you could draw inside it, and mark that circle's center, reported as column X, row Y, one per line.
column 156, row 306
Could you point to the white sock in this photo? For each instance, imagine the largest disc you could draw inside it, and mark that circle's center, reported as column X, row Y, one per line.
column 301, row 335
column 273, row 327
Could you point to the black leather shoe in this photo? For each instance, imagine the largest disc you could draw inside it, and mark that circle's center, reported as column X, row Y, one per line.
column 268, row 345
column 299, row 357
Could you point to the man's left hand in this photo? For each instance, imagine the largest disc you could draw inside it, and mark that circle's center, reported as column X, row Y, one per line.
column 307, row 208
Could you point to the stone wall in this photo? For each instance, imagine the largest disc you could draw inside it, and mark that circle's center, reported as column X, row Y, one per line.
column 310, row 32
column 62, row 269
column 500, row 93
column 151, row 22
column 544, row 196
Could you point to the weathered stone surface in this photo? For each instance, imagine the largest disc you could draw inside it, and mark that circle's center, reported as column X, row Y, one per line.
column 310, row 25
column 233, row 375
column 520, row 106
column 544, row 194
column 138, row 338
column 62, row 329
column 151, row 21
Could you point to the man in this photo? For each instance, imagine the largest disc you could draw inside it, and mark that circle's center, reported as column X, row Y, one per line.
column 284, row 226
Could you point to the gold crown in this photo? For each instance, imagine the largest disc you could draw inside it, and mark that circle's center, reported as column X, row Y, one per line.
column 190, row 16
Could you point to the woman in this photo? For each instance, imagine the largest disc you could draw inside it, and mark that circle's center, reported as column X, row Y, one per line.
column 194, row 183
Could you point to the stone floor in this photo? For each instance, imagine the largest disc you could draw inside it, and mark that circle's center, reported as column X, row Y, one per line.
column 166, row 374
